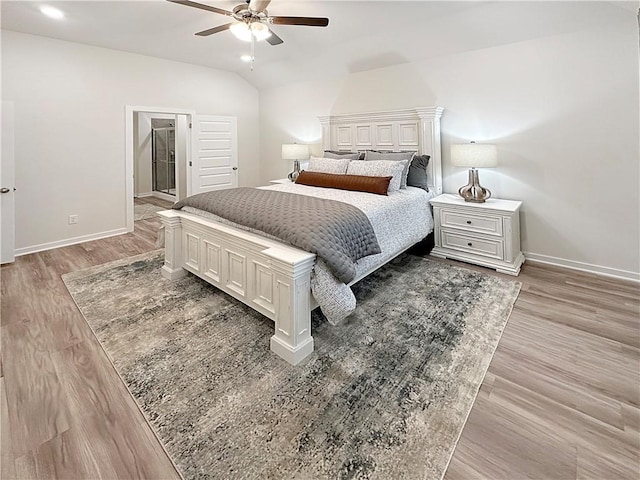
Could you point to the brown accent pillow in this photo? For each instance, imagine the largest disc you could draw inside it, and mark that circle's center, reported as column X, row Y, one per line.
column 357, row 183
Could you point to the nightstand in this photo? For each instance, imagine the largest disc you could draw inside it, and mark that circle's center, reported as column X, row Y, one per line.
column 280, row 180
column 486, row 234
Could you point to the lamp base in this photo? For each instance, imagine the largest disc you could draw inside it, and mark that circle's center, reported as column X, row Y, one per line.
column 296, row 171
column 473, row 192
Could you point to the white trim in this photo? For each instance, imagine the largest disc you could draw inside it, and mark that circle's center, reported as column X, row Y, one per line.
column 8, row 175
column 129, row 149
column 142, row 195
column 583, row 267
column 388, row 115
column 70, row 241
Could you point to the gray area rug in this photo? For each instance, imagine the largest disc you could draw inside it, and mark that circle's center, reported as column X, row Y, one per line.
column 142, row 211
column 385, row 395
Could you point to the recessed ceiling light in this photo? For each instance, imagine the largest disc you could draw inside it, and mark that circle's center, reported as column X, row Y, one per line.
column 52, row 12
column 245, row 58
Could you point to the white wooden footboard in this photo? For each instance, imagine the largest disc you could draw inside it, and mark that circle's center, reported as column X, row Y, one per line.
column 271, row 278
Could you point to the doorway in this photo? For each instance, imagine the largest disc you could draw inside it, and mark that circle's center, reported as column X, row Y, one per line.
column 156, row 161
column 160, row 156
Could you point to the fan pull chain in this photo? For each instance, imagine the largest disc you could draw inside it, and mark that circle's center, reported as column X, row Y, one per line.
column 253, row 46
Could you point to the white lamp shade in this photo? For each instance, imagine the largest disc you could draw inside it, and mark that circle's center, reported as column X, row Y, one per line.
column 244, row 31
column 474, row 155
column 260, row 31
column 241, row 31
column 295, row 151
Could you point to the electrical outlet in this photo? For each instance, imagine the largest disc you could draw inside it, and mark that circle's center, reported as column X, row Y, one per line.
column 73, row 219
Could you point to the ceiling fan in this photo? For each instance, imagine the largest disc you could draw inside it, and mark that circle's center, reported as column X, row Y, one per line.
column 251, row 21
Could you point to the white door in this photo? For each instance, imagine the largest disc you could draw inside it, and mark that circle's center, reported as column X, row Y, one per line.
column 214, row 159
column 7, row 195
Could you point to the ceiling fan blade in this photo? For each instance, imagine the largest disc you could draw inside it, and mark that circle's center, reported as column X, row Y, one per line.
column 202, row 7
column 258, row 5
column 274, row 39
column 213, row 30
column 308, row 21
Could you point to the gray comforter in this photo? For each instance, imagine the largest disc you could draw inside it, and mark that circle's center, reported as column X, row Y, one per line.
column 337, row 232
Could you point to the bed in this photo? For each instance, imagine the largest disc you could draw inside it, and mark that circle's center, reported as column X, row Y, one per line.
column 275, row 278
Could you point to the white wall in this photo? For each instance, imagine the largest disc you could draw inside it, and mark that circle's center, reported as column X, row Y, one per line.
column 563, row 111
column 70, row 128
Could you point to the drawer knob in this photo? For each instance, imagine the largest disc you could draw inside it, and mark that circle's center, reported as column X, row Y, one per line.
column 470, row 244
column 468, row 222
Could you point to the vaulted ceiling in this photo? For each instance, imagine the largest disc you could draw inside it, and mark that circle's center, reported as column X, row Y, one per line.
column 361, row 35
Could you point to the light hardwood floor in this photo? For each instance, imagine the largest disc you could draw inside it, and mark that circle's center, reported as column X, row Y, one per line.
column 560, row 399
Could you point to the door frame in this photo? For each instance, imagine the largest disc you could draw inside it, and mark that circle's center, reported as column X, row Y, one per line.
column 8, row 178
column 129, row 154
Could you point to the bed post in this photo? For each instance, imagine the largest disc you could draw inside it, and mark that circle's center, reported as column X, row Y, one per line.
column 292, row 339
column 325, row 123
column 172, row 224
column 430, row 141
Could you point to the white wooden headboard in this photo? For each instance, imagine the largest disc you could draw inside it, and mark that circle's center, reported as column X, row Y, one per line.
column 410, row 129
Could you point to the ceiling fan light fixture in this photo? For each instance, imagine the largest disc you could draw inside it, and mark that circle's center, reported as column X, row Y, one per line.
column 241, row 31
column 260, row 31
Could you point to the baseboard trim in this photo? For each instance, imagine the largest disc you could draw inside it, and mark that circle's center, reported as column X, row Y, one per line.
column 583, row 267
column 164, row 196
column 69, row 241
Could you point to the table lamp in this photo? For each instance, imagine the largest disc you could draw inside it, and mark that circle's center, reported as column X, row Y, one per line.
column 295, row 152
column 474, row 155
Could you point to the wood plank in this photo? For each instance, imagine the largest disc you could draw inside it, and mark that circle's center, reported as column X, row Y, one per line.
column 38, row 410
column 18, row 279
column 98, row 449
column 95, row 391
column 604, row 365
column 558, row 385
column 497, row 444
column 7, row 467
column 565, row 424
column 631, row 423
column 154, row 201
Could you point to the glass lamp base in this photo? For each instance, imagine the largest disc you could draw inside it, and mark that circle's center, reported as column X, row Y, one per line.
column 473, row 191
column 296, row 171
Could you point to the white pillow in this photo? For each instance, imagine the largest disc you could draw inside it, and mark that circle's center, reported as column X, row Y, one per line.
column 328, row 165
column 380, row 168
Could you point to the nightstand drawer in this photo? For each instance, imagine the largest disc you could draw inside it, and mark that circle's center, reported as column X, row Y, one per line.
column 474, row 223
column 480, row 246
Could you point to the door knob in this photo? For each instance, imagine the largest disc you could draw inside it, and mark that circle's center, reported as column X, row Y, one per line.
column 234, row 168
column 4, row 190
